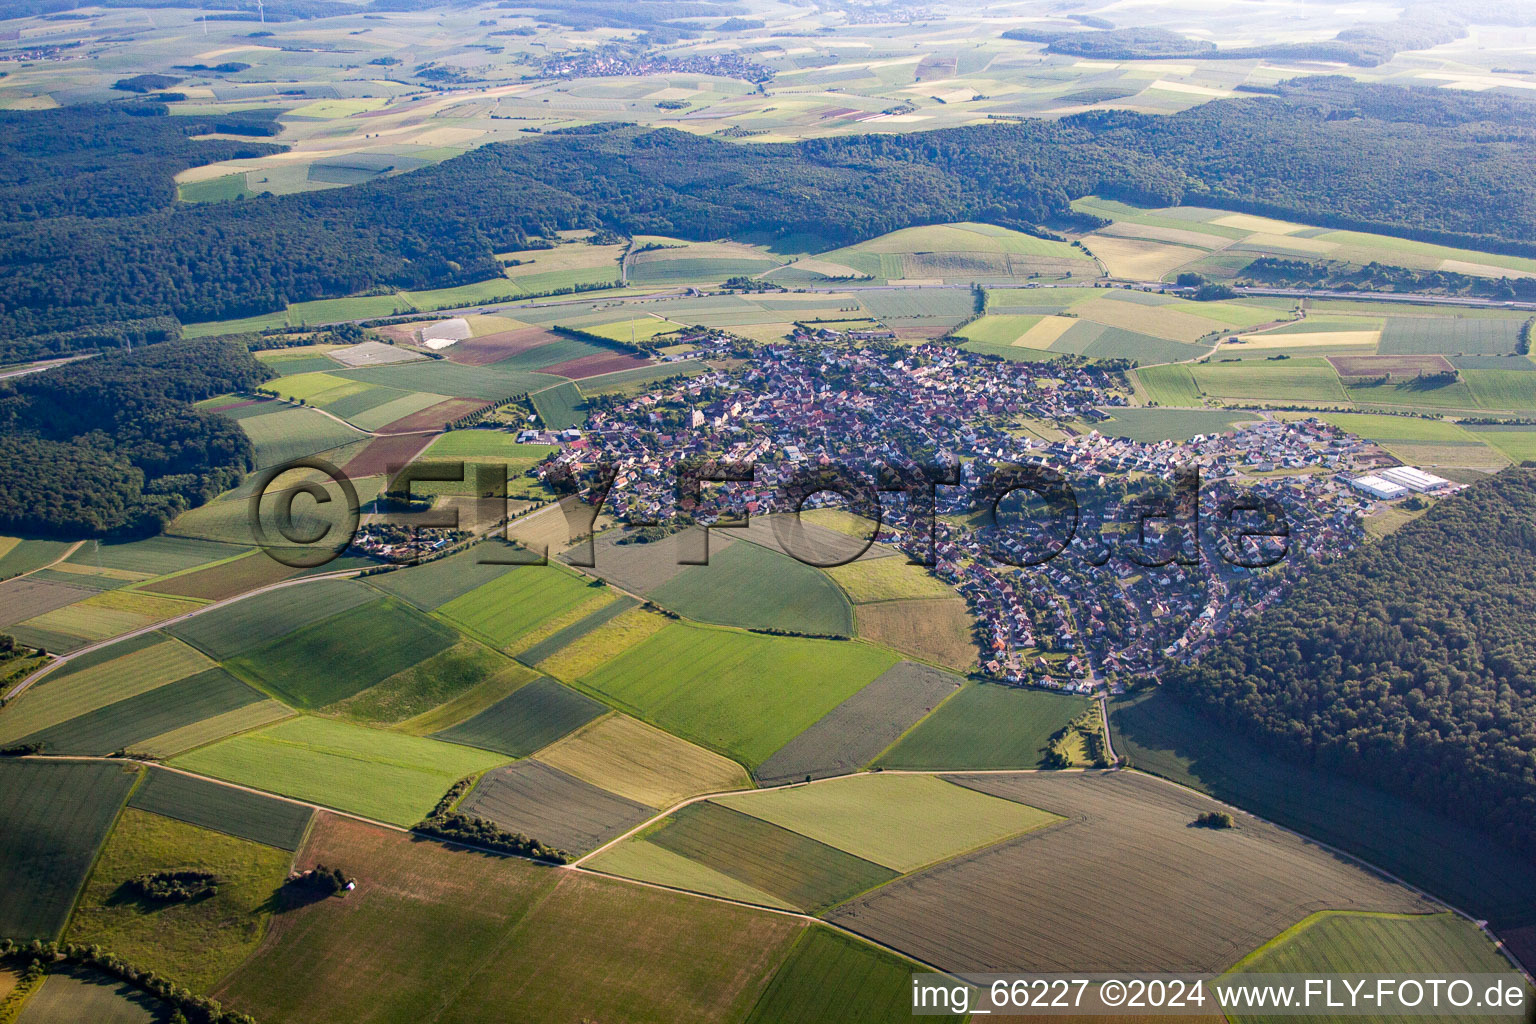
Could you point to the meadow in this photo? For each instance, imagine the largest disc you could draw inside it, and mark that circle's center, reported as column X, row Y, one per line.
column 986, row 726
column 587, row 653
column 800, row 871
column 557, row 809
column 337, row 657
column 55, row 817
column 1170, row 385
column 641, row 763
column 855, row 732
column 532, row 716
column 706, row 685
column 730, row 591
column 1456, row 863
column 902, row 822
column 1078, row 895
column 210, row 805
column 384, row 775
column 195, row 942
column 1295, row 380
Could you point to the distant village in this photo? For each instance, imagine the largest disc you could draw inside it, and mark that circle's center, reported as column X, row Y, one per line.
column 1093, row 616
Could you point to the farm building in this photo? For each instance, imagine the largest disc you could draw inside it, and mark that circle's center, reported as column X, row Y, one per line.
column 1414, row 479
column 1376, row 487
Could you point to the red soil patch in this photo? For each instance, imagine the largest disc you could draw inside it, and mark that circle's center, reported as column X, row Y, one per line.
column 233, row 405
column 1397, row 366
column 385, row 455
column 434, row 417
column 592, row 366
column 924, row 333
column 493, row 348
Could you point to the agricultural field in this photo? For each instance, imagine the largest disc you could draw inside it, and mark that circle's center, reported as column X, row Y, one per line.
column 54, row 818
column 706, row 685
column 1296, row 380
column 791, row 868
column 153, row 556
column 512, row 605
column 641, row 763
column 561, row 810
column 900, row 821
column 560, row 406
column 211, row 805
column 76, row 993
column 986, row 726
column 827, row 968
column 428, row 684
column 937, row 630
column 1075, row 895
column 1447, row 858
column 1445, row 335
column 856, row 731
column 887, row 579
column 384, row 775
column 287, row 433
column 216, row 727
column 515, row 933
column 729, row 591
column 1504, row 390
column 19, row 555
column 441, row 377
column 340, row 656
column 236, row 628
column 1170, row 385
column 556, row 641
column 642, row 860
column 587, row 653
column 434, row 584
column 531, row 717
column 196, row 942
column 957, row 253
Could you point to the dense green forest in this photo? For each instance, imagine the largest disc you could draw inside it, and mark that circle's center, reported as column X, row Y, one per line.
column 1418, row 162
column 1410, row 663
column 110, row 161
column 111, row 445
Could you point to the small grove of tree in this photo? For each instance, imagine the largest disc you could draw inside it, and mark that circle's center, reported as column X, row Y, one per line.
column 174, row 886
column 1215, row 819
column 327, row 881
column 194, row 1009
column 464, row 828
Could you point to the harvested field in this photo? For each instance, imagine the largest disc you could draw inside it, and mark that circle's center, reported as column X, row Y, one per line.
column 531, row 717
column 592, row 366
column 24, row 599
column 70, row 692
column 938, row 630
column 558, row 809
column 53, row 817
column 887, row 579
column 384, row 775
column 514, row 934
column 237, row 812
column 227, row 579
column 986, row 726
column 829, row 973
column 1075, row 896
column 800, row 871
column 900, row 821
column 119, row 726
column 215, row 727
column 855, row 732
column 641, row 763
column 344, row 654
column 195, row 942
column 1397, row 366
column 706, row 685
column 755, row 587
column 238, row 627
column 516, row 602
column 432, row 418
column 493, row 348
column 385, row 456
column 428, row 684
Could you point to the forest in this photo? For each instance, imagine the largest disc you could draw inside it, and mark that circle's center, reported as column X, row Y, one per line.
column 1409, row 663
column 111, row 445
column 1419, row 162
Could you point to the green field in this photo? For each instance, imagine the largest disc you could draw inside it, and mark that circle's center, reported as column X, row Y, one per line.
column 560, row 407
column 154, row 556
column 436, row 681
column 1447, row 335
column 1293, row 380
column 1508, row 390
column 120, row 725
column 900, row 821
column 244, row 625
column 1398, row 429
column 19, row 555
column 1170, row 385
column 294, row 433
column 439, row 581
column 827, row 969
column 384, row 775
column 214, row 190
column 516, row 602
column 1518, row 444
column 644, row 860
column 711, row 685
column 194, row 943
column 236, row 812
column 441, row 377
column 887, row 579
column 986, row 726
column 533, row 716
column 53, row 817
column 331, row 660
column 794, row 868
column 754, row 587
column 1458, row 864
